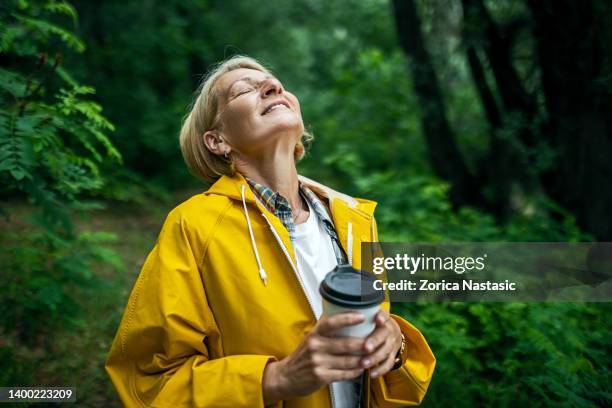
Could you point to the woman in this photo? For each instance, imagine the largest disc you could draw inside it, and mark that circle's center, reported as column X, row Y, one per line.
column 226, row 310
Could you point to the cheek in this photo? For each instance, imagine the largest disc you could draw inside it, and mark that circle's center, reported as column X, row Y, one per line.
column 296, row 103
column 238, row 120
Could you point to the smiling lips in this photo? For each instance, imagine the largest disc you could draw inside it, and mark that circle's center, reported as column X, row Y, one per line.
column 275, row 106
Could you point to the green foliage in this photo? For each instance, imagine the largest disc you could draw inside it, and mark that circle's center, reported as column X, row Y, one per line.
column 517, row 354
column 47, row 273
column 52, row 140
column 143, row 58
column 342, row 60
column 53, row 148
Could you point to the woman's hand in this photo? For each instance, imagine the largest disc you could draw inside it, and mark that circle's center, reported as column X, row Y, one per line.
column 319, row 360
column 381, row 345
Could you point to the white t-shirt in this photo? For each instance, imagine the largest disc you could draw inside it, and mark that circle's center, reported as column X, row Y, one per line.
column 315, row 257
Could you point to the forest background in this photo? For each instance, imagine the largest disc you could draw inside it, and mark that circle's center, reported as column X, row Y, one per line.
column 467, row 120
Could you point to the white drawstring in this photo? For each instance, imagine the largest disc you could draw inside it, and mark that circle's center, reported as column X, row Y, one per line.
column 373, row 229
column 373, row 239
column 262, row 272
column 349, row 243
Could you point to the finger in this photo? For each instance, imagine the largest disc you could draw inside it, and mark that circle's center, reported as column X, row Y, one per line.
column 329, row 324
column 336, row 362
column 383, row 368
column 379, row 355
column 342, row 345
column 327, row 375
column 382, row 317
column 376, row 338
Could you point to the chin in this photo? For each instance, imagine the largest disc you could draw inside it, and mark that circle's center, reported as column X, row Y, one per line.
column 287, row 126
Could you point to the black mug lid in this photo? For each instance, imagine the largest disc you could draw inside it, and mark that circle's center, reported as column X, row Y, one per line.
column 349, row 287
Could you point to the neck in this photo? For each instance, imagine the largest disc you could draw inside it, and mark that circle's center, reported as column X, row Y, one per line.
column 274, row 169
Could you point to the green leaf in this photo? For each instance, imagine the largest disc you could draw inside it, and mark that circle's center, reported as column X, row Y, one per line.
column 12, row 82
column 46, row 28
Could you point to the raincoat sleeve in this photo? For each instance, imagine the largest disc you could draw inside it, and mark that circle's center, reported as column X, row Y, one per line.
column 407, row 384
column 161, row 354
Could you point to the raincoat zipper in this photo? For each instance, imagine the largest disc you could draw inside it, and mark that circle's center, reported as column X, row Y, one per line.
column 286, row 252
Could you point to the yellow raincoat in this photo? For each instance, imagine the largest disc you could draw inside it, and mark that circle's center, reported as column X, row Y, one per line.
column 200, row 324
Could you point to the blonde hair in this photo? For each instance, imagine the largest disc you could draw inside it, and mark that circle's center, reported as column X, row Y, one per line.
column 203, row 116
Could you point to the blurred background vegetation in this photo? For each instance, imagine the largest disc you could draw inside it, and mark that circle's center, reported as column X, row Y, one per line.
column 467, row 120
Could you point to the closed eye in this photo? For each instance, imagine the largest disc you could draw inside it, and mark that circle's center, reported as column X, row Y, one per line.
column 251, row 85
column 245, row 90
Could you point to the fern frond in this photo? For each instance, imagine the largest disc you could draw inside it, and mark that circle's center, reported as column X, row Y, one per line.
column 47, row 29
column 62, row 7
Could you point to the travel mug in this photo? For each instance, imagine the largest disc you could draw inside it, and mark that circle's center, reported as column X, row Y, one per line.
column 346, row 289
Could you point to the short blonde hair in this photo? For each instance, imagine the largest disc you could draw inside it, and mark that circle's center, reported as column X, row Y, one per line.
column 203, row 116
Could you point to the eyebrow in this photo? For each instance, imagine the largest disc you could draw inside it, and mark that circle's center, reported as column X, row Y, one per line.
column 246, row 79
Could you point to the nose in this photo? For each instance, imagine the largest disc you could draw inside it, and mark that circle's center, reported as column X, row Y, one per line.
column 272, row 87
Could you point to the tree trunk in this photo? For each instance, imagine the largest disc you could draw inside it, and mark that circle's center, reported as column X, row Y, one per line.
column 578, row 99
column 497, row 169
column 444, row 155
column 499, row 52
column 519, row 108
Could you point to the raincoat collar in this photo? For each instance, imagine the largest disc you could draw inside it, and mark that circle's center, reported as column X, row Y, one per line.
column 229, row 186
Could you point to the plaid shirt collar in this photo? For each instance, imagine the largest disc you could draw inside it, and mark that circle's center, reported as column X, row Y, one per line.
column 279, row 206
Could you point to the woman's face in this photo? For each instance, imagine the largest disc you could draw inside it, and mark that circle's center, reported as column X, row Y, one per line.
column 256, row 110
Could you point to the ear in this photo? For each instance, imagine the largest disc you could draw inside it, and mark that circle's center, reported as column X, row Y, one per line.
column 214, row 142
